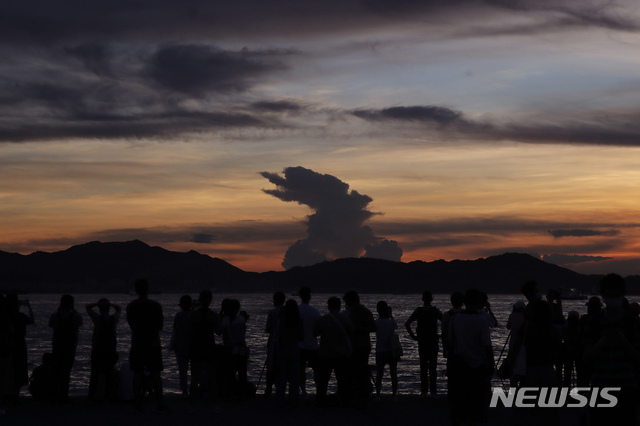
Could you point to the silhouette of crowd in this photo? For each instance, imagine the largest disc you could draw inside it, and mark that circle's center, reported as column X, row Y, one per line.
column 544, row 349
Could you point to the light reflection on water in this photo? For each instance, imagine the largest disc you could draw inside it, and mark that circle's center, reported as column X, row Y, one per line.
column 257, row 305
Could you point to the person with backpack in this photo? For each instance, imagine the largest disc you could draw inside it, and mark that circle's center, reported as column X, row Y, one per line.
column 427, row 317
column 66, row 323
column 103, row 346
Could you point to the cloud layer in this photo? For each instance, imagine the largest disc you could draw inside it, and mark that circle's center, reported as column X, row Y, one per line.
column 167, row 70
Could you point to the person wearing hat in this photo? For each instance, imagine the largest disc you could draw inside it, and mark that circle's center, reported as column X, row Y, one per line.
column 103, row 346
column 180, row 342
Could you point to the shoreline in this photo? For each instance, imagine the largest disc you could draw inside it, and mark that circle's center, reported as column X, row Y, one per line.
column 408, row 410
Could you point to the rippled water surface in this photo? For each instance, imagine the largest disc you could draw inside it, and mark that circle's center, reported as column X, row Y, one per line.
column 257, row 305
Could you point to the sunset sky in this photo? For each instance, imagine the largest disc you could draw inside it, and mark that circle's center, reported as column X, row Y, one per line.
column 466, row 128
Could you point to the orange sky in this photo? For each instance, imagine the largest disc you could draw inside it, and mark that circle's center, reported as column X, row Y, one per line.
column 475, row 129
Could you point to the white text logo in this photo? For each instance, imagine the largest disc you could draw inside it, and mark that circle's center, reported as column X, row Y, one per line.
column 555, row 397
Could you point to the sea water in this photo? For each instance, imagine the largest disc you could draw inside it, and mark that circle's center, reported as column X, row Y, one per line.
column 256, row 305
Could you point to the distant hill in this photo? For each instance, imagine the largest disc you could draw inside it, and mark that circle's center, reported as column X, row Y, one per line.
column 97, row 267
column 113, row 267
column 497, row 274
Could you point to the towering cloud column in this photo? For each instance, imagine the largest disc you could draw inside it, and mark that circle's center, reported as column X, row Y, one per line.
column 336, row 228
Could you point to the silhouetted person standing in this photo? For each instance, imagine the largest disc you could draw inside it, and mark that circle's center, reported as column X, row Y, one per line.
column 427, row 317
column 6, row 346
column 571, row 347
column 290, row 333
column 543, row 343
column 234, row 332
column 335, row 331
column 532, row 292
column 308, row 346
column 180, row 342
column 66, row 323
column 592, row 318
column 471, row 362
column 270, row 328
column 103, row 345
column 204, row 324
column 146, row 320
column 363, row 326
column 386, row 328
column 613, row 350
column 19, row 321
column 457, row 300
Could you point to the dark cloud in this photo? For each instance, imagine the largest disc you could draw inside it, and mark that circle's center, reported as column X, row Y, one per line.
column 572, row 259
column 95, row 57
column 165, row 125
column 279, row 106
column 591, row 128
column 336, row 228
column 386, row 249
column 93, row 90
column 239, row 232
column 565, row 14
column 558, row 233
column 228, row 234
column 38, row 21
column 195, row 69
column 494, row 225
column 202, row 238
column 418, row 113
column 556, row 22
column 623, row 267
column 92, row 70
column 474, row 234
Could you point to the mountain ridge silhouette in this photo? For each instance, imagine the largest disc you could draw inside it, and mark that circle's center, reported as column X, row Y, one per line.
column 112, row 267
